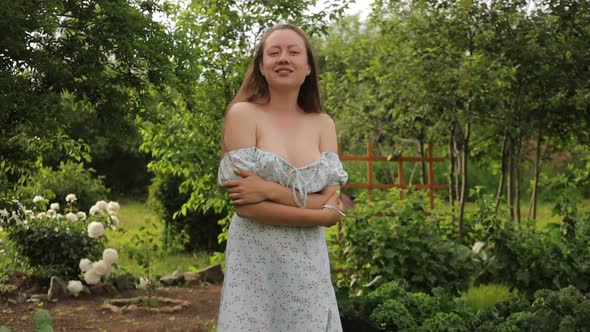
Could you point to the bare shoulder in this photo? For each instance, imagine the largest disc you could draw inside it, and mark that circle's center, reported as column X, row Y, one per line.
column 327, row 129
column 240, row 126
column 242, row 110
column 326, row 122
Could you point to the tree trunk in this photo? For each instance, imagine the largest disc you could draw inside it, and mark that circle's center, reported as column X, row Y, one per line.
column 517, row 179
column 463, row 197
column 533, row 204
column 502, row 171
column 422, row 162
column 452, row 166
column 510, row 179
column 457, row 167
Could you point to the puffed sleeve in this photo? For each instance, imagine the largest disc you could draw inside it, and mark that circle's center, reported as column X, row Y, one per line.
column 244, row 159
column 337, row 175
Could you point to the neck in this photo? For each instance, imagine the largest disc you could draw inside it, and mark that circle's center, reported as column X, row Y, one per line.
column 284, row 100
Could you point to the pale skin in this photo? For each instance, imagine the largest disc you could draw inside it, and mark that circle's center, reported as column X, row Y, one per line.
column 281, row 127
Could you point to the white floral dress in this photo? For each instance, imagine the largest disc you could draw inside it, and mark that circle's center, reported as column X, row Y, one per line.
column 277, row 278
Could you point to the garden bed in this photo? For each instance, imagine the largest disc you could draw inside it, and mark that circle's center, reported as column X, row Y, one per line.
column 85, row 313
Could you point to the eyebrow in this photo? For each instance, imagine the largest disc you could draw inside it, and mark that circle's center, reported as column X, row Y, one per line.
column 292, row 45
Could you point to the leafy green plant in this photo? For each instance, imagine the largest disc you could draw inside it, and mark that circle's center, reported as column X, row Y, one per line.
column 51, row 243
column 146, row 252
column 43, row 321
column 396, row 239
column 70, row 177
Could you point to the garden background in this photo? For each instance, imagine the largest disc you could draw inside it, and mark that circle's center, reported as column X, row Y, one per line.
column 124, row 100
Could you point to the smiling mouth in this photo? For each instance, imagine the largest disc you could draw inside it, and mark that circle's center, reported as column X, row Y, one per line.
column 283, row 71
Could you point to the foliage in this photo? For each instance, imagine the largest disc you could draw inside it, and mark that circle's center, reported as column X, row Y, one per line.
column 70, row 177
column 145, row 254
column 201, row 228
column 392, row 307
column 43, row 321
column 50, row 243
column 529, row 258
column 72, row 79
column 394, row 238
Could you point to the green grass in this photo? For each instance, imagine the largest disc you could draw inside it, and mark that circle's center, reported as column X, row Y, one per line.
column 486, row 296
column 133, row 216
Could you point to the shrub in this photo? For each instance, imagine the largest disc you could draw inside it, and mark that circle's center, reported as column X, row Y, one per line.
column 395, row 239
column 51, row 243
column 393, row 316
column 202, row 229
column 444, row 322
column 70, row 177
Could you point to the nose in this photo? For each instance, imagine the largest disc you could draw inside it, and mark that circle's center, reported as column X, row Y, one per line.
column 283, row 58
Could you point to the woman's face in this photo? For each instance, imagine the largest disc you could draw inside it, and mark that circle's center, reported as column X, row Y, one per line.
column 284, row 59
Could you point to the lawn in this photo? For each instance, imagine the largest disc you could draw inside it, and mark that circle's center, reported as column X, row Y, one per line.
column 133, row 215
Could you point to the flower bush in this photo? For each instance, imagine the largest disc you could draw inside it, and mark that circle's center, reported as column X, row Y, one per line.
column 52, row 241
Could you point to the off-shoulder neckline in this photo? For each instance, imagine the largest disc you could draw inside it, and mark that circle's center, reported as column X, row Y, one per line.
column 322, row 154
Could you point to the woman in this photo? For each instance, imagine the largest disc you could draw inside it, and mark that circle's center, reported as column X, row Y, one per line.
column 283, row 176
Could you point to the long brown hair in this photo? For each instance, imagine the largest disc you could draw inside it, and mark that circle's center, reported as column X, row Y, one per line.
column 255, row 88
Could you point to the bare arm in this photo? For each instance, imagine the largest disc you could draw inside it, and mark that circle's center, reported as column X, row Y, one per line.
column 279, row 214
column 283, row 195
column 239, row 132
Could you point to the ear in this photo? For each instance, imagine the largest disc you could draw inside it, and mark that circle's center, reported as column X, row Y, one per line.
column 308, row 70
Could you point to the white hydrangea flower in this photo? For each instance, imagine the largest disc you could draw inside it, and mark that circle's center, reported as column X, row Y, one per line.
column 29, row 213
column 54, row 206
column 71, row 198
column 38, row 199
column 143, row 283
column 81, row 215
column 93, row 210
column 477, row 246
column 75, row 287
column 95, row 229
column 16, row 218
column 101, row 267
column 4, row 213
column 113, row 208
column 110, row 256
column 41, row 215
column 91, row 277
column 72, row 217
column 85, row 265
column 114, row 221
column 109, row 270
column 51, row 213
column 101, row 205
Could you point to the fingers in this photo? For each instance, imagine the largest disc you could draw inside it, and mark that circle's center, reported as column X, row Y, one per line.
column 244, row 173
column 231, row 183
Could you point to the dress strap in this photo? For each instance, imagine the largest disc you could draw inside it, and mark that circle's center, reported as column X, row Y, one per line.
column 298, row 184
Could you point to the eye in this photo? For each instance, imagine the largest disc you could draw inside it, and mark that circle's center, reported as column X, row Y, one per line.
column 273, row 53
column 295, row 52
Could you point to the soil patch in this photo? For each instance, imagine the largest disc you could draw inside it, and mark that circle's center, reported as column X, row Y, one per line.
column 85, row 313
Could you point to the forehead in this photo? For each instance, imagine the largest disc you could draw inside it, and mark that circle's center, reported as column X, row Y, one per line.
column 283, row 38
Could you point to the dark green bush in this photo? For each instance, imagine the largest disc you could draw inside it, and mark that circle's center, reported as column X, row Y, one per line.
column 395, row 239
column 201, row 230
column 393, row 316
column 53, row 247
column 391, row 307
column 444, row 322
column 69, row 178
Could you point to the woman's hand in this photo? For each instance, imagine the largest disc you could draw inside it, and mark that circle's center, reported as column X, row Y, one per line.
column 331, row 216
column 251, row 189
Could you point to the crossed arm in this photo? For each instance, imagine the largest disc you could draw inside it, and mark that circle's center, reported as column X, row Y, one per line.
column 270, row 202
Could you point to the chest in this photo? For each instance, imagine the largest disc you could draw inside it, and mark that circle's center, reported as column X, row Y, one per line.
column 297, row 141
